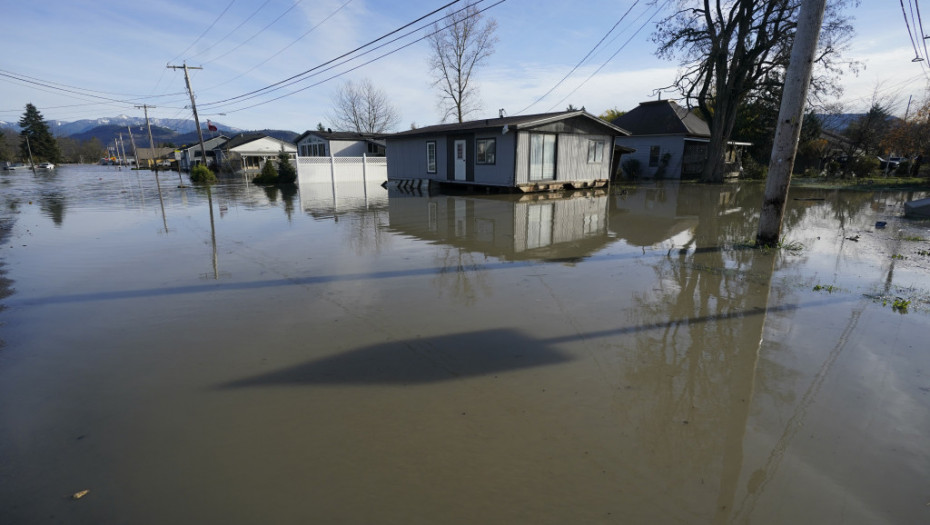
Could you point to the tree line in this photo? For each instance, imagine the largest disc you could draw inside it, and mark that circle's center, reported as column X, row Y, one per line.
column 36, row 141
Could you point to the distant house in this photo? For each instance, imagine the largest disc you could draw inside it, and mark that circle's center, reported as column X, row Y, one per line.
column 339, row 144
column 149, row 157
column 189, row 156
column 670, row 141
column 249, row 151
column 571, row 149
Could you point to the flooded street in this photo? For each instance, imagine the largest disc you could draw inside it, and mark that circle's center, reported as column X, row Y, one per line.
column 341, row 354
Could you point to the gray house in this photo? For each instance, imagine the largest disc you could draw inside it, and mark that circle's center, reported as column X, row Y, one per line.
column 670, row 141
column 329, row 143
column 550, row 151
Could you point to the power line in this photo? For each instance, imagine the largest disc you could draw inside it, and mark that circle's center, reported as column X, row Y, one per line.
column 580, row 62
column 303, row 73
column 217, row 19
column 298, row 39
column 920, row 23
column 910, row 35
column 224, row 37
column 53, row 85
column 260, row 31
column 360, row 65
column 621, row 48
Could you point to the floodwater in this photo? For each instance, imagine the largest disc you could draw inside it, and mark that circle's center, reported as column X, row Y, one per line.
column 341, row 355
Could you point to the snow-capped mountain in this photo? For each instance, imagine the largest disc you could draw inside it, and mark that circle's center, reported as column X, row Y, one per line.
column 181, row 126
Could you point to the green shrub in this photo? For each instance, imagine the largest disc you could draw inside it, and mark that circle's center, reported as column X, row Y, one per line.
column 863, row 166
column 201, row 173
column 287, row 174
column 269, row 174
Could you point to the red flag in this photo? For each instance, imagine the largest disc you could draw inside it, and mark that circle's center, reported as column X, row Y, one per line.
column 210, row 126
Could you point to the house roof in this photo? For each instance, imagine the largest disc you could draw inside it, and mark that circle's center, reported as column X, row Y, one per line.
column 512, row 122
column 662, row 117
column 339, row 135
column 207, row 144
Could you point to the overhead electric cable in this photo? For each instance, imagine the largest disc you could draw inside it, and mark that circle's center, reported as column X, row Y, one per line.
column 346, row 61
column 260, row 31
column 910, row 34
column 621, row 48
column 224, row 37
column 382, row 37
column 53, row 84
column 360, row 65
column 580, row 62
column 283, row 49
column 205, row 31
column 920, row 24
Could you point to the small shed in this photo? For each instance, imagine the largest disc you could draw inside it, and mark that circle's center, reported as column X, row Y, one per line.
column 542, row 152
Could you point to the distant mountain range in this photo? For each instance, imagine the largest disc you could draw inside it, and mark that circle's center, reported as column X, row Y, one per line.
column 173, row 131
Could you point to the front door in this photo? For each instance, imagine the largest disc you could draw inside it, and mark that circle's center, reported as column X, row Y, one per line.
column 460, row 154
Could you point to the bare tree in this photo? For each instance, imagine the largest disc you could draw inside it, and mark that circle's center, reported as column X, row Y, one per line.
column 363, row 108
column 460, row 43
column 730, row 48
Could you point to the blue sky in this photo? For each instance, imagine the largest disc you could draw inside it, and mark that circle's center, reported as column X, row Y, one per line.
column 119, row 50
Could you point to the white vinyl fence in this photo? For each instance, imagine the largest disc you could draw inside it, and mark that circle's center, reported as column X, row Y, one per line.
column 338, row 184
column 365, row 170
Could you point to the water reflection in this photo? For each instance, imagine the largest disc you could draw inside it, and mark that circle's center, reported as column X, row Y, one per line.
column 531, row 227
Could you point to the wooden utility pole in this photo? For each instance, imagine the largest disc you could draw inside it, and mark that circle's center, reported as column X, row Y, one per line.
column 146, row 107
column 187, row 79
column 794, row 94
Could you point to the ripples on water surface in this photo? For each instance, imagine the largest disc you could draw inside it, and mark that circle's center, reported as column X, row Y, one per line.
column 341, row 355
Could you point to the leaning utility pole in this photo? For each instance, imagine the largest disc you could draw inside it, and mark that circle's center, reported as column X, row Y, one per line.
column 794, row 94
column 146, row 107
column 185, row 67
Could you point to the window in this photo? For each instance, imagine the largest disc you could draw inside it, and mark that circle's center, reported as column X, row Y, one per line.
column 542, row 156
column 431, row 156
column 653, row 156
column 595, row 151
column 313, row 150
column 487, row 151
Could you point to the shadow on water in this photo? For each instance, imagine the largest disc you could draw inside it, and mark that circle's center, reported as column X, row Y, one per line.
column 425, row 360
column 468, row 354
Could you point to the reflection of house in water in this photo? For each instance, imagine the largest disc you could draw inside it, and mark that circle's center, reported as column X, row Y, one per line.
column 511, row 227
column 646, row 216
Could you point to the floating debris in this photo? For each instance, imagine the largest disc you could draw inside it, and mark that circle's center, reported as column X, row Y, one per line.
column 80, row 494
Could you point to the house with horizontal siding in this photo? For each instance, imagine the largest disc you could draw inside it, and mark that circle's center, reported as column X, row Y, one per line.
column 248, row 152
column 330, row 143
column 669, row 142
column 543, row 152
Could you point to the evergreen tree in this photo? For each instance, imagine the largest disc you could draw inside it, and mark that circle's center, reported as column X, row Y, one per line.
column 43, row 145
column 287, row 174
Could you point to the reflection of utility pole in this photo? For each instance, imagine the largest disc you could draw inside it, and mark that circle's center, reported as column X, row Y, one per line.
column 146, row 107
column 132, row 141
column 785, row 147
column 203, row 150
column 29, row 148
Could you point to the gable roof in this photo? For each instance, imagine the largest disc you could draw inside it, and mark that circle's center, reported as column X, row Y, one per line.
column 208, row 144
column 247, row 138
column 662, row 117
column 512, row 122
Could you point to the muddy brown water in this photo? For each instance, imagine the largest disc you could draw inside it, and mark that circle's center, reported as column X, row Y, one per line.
column 346, row 355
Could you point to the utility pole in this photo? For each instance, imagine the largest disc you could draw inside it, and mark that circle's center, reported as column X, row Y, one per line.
column 145, row 108
column 187, row 79
column 785, row 148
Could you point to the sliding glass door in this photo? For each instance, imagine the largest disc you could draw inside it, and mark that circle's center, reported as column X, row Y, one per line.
column 542, row 156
